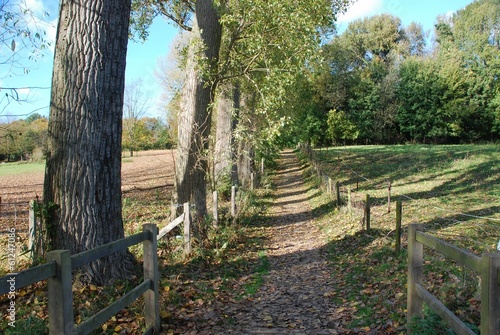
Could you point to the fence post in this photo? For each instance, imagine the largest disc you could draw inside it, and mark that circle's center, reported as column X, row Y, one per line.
column 215, row 198
column 252, row 181
column 262, row 166
column 151, row 296
column 337, row 190
column 349, row 201
column 415, row 264
column 233, row 201
column 367, row 212
column 389, row 198
column 33, row 232
column 60, row 294
column 330, row 186
column 187, row 230
column 399, row 211
column 490, row 294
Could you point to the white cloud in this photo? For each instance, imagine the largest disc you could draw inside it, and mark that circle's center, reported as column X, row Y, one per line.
column 360, row 9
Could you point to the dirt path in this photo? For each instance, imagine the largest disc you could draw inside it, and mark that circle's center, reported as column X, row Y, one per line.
column 296, row 295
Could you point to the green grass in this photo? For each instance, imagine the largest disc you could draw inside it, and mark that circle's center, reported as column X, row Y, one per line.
column 452, row 190
column 258, row 280
column 447, row 188
column 17, row 168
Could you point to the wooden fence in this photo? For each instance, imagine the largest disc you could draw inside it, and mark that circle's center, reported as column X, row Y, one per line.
column 58, row 272
column 487, row 266
column 186, row 218
column 334, row 189
column 60, row 263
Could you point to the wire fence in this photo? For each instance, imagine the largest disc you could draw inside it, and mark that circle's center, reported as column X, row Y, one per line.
column 350, row 188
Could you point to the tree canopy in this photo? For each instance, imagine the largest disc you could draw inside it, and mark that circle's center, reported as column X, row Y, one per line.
column 381, row 78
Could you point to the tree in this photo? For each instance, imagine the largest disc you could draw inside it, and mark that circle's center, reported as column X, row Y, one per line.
column 263, row 42
column 195, row 119
column 135, row 105
column 227, row 104
column 20, row 139
column 197, row 96
column 421, row 93
column 82, row 188
column 476, row 38
column 170, row 74
column 416, row 39
column 362, row 75
column 267, row 46
column 340, row 129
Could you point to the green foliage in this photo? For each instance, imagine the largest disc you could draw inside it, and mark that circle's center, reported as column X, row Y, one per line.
column 32, row 325
column 430, row 324
column 378, row 73
column 340, row 129
column 224, row 184
column 21, row 138
column 145, row 133
column 423, row 97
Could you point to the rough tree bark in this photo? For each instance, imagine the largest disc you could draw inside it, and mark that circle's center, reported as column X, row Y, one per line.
column 245, row 162
column 195, row 117
column 224, row 152
column 83, row 170
column 244, row 152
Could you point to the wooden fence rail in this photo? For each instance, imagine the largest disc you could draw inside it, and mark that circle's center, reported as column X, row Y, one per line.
column 58, row 272
column 183, row 218
column 487, row 266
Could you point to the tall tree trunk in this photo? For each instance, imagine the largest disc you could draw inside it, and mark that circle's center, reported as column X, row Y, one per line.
column 234, row 124
column 195, row 117
column 245, row 162
column 223, row 146
column 83, row 172
column 244, row 152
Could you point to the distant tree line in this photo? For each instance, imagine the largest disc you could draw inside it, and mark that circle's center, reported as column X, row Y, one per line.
column 23, row 139
column 146, row 133
column 27, row 139
column 382, row 83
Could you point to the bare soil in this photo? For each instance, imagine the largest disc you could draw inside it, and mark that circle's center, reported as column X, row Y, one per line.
column 145, row 171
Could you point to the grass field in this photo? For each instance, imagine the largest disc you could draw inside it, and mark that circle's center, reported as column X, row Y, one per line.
column 453, row 191
column 16, row 168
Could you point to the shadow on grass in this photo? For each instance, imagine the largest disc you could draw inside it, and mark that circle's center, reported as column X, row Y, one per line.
column 367, row 278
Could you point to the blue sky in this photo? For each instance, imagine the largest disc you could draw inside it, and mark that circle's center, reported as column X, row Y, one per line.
column 142, row 58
